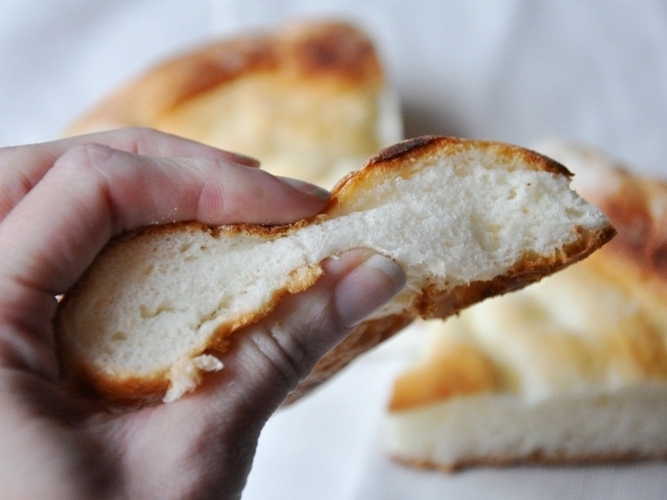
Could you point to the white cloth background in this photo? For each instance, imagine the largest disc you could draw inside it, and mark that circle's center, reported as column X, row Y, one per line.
column 512, row 70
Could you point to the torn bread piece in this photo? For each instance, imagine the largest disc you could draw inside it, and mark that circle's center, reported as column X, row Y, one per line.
column 465, row 220
column 570, row 370
column 310, row 100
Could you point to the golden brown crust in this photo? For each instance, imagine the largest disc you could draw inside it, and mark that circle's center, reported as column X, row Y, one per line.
column 636, row 260
column 119, row 393
column 401, row 149
column 330, row 51
column 505, row 153
column 457, row 371
column 535, row 458
column 331, row 48
column 638, row 209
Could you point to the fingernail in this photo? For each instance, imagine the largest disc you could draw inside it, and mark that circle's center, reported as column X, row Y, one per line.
column 247, row 161
column 370, row 285
column 306, row 187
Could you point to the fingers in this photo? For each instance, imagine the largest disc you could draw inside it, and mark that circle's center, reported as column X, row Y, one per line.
column 93, row 192
column 22, row 167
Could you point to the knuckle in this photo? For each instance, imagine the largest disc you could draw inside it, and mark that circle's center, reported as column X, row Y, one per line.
column 145, row 141
column 8, row 155
column 13, row 187
column 82, row 158
column 282, row 355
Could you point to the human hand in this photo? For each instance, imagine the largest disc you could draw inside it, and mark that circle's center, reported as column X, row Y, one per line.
column 60, row 203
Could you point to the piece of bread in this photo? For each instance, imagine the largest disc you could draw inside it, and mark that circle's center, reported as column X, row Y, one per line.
column 464, row 219
column 310, row 100
column 573, row 369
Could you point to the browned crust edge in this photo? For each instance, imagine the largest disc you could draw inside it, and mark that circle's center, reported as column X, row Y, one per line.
column 537, row 458
column 410, row 149
column 642, row 239
column 333, row 50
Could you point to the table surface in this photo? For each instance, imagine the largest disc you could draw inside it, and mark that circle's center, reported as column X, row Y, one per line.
column 510, row 70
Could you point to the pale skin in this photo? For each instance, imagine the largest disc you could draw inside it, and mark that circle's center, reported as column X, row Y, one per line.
column 60, row 203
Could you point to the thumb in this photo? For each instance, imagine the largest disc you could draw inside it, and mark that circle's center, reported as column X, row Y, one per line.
column 271, row 357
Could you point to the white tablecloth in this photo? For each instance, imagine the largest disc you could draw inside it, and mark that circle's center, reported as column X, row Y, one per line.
column 510, row 70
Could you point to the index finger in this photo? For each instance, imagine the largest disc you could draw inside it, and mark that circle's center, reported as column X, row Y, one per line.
column 22, row 167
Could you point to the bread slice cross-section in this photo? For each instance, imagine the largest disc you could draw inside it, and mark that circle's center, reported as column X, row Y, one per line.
column 465, row 220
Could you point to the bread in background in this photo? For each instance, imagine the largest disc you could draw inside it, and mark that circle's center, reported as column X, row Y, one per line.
column 309, row 100
column 570, row 370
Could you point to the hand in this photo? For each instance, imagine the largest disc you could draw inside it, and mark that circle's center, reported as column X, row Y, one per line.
column 60, row 202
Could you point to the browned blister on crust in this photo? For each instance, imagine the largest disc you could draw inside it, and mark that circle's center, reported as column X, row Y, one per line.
column 637, row 258
column 417, row 147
